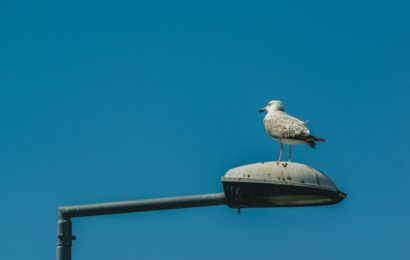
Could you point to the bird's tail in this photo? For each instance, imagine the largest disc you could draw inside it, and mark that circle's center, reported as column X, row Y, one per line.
column 311, row 140
column 318, row 139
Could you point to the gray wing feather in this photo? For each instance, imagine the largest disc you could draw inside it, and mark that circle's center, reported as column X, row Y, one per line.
column 283, row 126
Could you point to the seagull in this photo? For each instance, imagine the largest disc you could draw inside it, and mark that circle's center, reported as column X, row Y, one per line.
column 286, row 129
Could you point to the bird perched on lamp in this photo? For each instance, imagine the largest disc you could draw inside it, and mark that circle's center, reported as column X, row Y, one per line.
column 286, row 129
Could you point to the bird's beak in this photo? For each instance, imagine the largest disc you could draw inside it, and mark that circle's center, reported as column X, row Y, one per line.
column 262, row 110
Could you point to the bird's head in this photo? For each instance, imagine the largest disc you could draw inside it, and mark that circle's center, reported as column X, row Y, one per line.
column 273, row 105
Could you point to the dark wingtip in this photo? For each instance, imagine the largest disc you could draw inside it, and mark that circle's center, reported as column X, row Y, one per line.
column 316, row 139
column 312, row 144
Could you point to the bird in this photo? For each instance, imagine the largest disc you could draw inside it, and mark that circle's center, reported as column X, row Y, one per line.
column 286, row 129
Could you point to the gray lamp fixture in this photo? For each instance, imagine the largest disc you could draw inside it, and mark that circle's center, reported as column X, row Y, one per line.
column 269, row 184
column 278, row 184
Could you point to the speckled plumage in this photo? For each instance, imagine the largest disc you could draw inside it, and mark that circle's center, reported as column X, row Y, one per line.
column 285, row 128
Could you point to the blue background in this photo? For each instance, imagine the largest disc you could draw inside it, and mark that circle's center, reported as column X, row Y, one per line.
column 112, row 100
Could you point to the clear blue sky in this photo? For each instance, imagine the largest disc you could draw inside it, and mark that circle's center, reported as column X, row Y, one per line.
column 109, row 100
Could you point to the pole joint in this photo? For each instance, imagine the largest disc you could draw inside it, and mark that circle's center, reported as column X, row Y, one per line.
column 64, row 237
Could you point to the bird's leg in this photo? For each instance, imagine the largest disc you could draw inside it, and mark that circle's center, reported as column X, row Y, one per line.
column 280, row 152
column 290, row 153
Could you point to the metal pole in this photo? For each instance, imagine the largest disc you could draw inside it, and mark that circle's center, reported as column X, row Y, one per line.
column 64, row 238
column 64, row 226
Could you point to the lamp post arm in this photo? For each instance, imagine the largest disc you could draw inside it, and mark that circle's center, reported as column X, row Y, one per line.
column 142, row 205
column 65, row 213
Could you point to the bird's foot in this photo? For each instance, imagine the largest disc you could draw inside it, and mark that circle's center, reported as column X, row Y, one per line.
column 284, row 164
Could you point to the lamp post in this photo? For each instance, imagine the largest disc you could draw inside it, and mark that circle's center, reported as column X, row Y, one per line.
column 268, row 184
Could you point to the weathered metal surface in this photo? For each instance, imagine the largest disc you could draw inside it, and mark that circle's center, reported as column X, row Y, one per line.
column 64, row 239
column 283, row 184
column 257, row 185
column 64, row 226
column 142, row 205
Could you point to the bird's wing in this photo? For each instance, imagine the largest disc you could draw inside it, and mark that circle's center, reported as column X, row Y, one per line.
column 282, row 125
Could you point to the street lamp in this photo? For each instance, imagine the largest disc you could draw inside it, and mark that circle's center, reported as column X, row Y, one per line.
column 284, row 184
column 269, row 184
